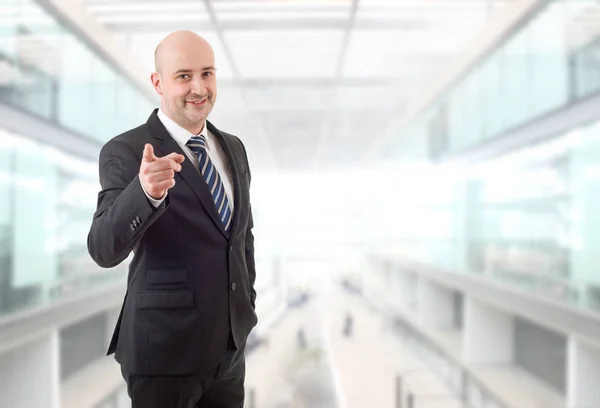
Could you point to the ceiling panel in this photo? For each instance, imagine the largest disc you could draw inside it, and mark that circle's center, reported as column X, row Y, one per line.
column 241, row 16
column 136, row 13
column 384, row 98
column 399, row 54
column 125, row 8
column 290, row 98
column 280, row 5
column 277, row 54
column 432, row 4
column 291, row 106
column 283, row 14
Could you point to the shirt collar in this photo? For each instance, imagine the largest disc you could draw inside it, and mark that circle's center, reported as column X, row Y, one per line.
column 178, row 133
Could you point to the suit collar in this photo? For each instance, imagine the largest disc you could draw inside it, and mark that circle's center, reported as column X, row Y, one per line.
column 167, row 144
column 177, row 132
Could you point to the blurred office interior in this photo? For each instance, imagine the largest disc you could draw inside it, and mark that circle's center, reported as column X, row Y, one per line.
column 426, row 185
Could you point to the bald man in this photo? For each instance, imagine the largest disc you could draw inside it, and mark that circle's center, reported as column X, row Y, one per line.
column 175, row 193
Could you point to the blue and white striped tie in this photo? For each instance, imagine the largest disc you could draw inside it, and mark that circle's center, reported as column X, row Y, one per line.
column 197, row 144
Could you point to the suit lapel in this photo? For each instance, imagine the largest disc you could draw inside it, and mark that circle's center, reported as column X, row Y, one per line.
column 235, row 175
column 166, row 144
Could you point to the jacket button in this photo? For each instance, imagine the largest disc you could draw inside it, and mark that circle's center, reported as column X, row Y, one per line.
column 233, row 286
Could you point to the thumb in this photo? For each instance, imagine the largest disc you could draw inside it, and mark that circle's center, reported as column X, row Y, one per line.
column 149, row 153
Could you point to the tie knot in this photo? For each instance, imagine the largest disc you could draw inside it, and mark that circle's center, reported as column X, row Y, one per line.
column 197, row 144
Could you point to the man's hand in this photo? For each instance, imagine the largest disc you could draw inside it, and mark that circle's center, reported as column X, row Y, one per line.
column 157, row 174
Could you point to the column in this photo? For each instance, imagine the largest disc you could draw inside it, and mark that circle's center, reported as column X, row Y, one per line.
column 583, row 375
column 435, row 305
column 488, row 334
column 404, row 286
column 30, row 374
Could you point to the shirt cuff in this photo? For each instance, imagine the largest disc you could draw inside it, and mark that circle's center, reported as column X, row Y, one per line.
column 156, row 203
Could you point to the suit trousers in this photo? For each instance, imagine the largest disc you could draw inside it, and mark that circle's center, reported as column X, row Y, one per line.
column 222, row 388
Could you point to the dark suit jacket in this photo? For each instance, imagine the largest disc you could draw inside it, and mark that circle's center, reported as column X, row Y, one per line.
column 189, row 281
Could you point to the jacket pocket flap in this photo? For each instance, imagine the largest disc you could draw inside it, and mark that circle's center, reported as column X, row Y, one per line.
column 159, row 276
column 172, row 299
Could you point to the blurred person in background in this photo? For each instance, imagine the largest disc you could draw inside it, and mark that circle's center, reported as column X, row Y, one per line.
column 175, row 192
column 348, row 325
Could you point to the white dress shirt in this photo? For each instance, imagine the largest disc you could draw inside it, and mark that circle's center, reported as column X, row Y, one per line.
column 215, row 153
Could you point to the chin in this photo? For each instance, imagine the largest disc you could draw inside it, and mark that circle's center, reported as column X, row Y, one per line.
column 196, row 118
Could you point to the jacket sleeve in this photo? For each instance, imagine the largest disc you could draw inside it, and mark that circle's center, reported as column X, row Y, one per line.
column 123, row 211
column 250, row 261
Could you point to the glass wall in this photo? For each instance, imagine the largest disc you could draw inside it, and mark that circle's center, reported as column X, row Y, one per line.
column 529, row 219
column 46, row 70
column 50, row 197
column 522, row 231
column 534, row 218
column 552, row 60
column 48, row 202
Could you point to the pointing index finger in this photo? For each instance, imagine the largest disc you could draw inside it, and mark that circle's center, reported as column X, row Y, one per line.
column 149, row 153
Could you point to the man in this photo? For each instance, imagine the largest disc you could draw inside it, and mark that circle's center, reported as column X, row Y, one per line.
column 175, row 192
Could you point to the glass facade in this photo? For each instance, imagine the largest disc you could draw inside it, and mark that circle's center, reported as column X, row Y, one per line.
column 529, row 219
column 45, row 213
column 47, row 69
column 552, row 60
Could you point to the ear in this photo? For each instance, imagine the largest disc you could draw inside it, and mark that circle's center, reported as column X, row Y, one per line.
column 156, row 82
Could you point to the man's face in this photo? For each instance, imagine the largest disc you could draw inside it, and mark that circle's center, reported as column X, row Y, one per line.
column 187, row 84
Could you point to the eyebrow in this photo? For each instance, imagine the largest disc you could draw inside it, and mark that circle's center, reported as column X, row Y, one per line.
column 187, row 71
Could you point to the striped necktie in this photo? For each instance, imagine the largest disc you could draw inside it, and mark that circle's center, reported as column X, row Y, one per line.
column 197, row 144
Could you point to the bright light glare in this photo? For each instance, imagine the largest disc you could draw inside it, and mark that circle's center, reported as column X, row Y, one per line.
column 147, row 7
column 282, row 5
column 282, row 15
column 200, row 18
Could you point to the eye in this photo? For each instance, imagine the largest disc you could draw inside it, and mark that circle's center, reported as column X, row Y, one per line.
column 183, row 76
column 208, row 73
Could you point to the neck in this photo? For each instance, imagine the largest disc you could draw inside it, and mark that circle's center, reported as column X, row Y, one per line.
column 194, row 128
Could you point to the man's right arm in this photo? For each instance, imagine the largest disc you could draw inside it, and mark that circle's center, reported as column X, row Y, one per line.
column 156, row 203
column 124, row 211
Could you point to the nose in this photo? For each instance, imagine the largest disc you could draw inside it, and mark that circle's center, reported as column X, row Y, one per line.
column 198, row 86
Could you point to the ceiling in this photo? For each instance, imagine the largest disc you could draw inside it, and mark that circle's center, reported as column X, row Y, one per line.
column 307, row 84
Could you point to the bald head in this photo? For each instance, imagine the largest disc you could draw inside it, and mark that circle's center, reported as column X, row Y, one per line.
column 185, row 79
column 178, row 42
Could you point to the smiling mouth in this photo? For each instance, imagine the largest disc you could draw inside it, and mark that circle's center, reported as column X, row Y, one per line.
column 198, row 103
